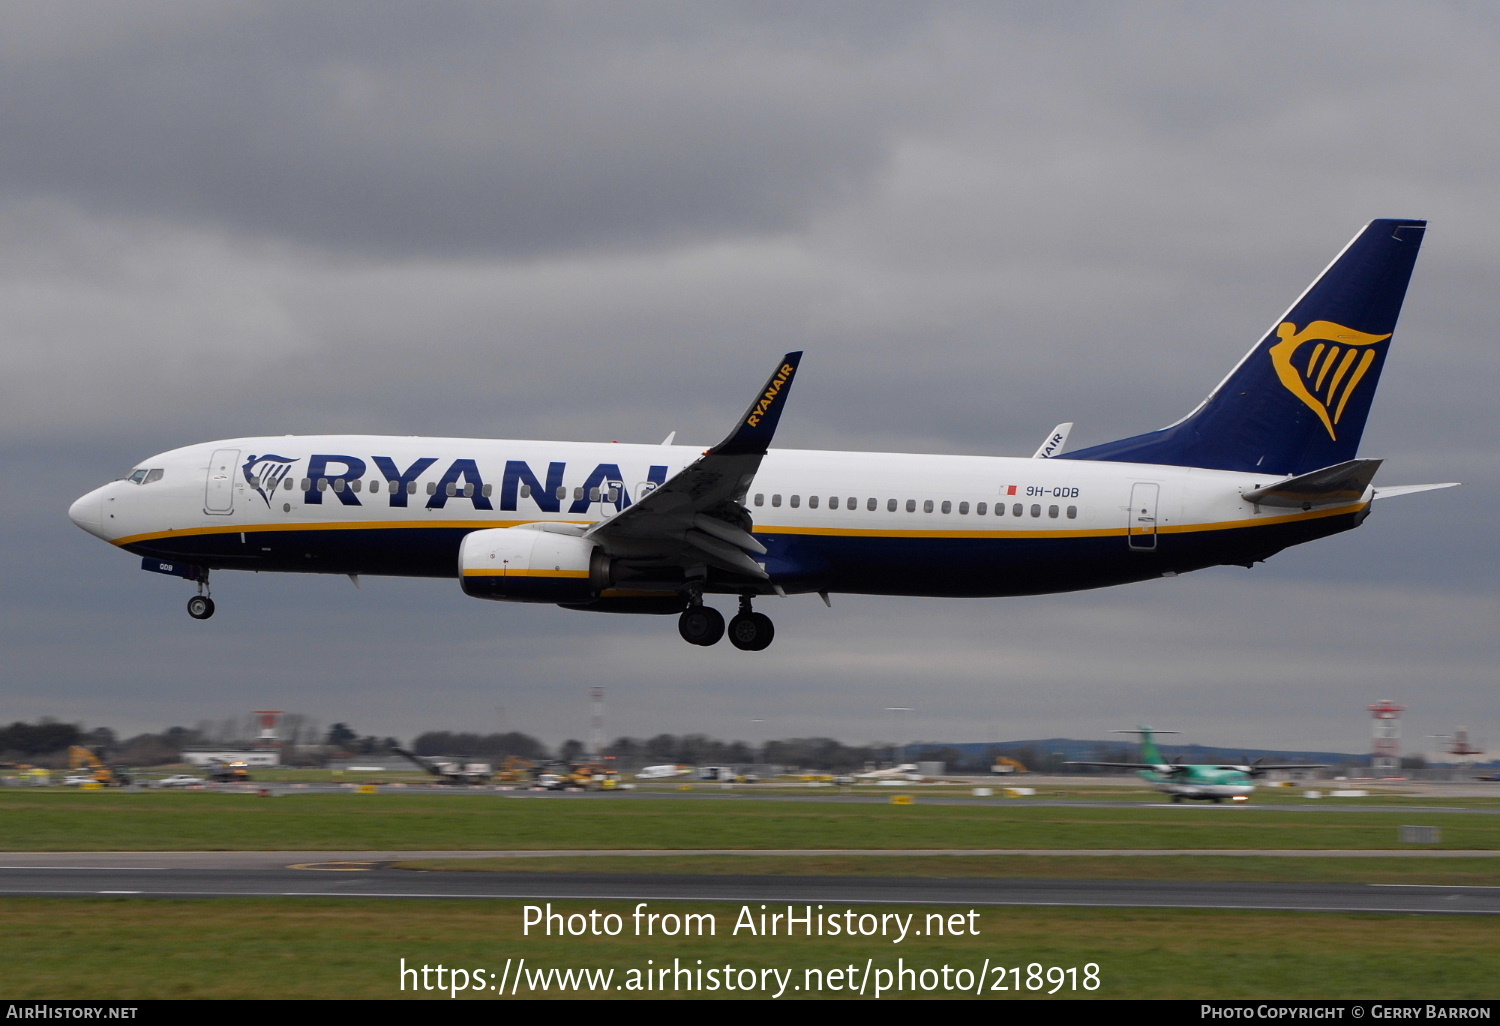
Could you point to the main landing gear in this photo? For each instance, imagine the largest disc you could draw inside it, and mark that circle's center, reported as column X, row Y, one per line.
column 701, row 625
column 748, row 631
column 200, row 606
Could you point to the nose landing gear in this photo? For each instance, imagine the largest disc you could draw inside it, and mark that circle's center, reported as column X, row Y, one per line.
column 201, row 606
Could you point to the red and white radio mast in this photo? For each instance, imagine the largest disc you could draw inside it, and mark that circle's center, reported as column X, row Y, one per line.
column 1386, row 760
column 268, row 738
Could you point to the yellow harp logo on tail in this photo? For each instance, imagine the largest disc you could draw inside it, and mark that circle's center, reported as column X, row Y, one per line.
column 1332, row 369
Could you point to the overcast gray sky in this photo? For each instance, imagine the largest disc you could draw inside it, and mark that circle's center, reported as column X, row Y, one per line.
column 605, row 221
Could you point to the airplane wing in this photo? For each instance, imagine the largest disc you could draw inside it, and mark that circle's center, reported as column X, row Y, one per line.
column 698, row 514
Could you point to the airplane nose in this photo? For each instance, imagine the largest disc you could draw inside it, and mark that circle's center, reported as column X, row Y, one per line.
column 88, row 512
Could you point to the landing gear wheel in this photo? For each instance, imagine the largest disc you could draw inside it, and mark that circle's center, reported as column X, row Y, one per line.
column 701, row 625
column 751, row 632
column 200, row 607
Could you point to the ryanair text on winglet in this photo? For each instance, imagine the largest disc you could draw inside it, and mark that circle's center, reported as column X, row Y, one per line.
column 768, row 400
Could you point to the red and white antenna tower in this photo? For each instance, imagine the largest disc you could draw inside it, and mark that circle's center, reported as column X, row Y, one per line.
column 596, row 724
column 1386, row 759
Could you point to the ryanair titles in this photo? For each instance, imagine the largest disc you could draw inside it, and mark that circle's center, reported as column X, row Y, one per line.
column 355, row 481
column 778, row 382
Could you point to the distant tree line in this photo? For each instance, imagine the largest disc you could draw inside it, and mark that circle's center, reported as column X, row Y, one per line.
column 490, row 747
column 305, row 743
column 48, row 741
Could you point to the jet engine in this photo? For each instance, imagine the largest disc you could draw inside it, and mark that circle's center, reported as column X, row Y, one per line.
column 531, row 564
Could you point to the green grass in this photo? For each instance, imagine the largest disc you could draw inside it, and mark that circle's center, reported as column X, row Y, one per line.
column 125, row 948
column 330, row 948
column 1483, row 872
column 157, row 821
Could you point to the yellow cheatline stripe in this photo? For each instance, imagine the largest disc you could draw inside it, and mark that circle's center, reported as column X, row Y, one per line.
column 1226, row 525
column 498, row 572
column 339, row 525
column 1230, row 525
column 763, row 529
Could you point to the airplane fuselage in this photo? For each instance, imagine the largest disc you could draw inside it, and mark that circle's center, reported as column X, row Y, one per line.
column 855, row 522
column 1267, row 460
column 1202, row 783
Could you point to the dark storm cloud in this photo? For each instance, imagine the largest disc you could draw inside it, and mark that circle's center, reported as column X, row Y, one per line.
column 596, row 221
column 396, row 128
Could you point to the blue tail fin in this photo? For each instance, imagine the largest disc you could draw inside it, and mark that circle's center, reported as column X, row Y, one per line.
column 1298, row 401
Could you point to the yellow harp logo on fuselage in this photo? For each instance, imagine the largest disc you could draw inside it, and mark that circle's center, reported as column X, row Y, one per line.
column 1333, row 368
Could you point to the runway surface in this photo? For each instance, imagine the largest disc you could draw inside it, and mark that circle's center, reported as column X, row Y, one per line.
column 921, row 793
column 370, row 875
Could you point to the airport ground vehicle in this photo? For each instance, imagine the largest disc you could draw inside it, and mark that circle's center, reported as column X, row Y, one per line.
column 179, row 780
column 449, row 771
column 228, row 771
column 96, row 770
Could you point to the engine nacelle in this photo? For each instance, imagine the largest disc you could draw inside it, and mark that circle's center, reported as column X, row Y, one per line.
column 523, row 564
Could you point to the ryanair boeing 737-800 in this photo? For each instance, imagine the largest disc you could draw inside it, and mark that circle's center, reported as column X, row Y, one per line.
column 1268, row 460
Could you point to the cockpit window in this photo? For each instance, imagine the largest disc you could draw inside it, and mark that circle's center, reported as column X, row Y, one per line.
column 144, row 475
column 155, row 475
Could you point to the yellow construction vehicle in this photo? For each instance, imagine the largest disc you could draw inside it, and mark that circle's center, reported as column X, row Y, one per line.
column 90, row 761
column 515, row 768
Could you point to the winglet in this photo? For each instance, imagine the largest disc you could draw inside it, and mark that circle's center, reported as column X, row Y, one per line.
column 1054, row 443
column 752, row 435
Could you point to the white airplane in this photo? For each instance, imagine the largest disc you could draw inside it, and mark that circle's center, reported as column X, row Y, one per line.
column 663, row 772
column 905, row 771
column 1268, row 460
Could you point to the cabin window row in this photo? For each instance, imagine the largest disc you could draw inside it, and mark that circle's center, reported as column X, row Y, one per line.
column 338, row 484
column 1018, row 509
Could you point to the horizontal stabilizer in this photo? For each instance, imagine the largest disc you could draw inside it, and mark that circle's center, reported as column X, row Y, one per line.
column 1337, row 485
column 1391, row 491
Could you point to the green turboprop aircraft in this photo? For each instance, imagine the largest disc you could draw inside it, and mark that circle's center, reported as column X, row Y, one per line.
column 1198, row 782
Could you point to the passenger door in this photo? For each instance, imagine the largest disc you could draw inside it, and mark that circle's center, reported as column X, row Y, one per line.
column 1141, row 529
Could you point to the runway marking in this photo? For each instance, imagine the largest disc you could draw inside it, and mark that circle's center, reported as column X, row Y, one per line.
column 335, row 867
column 923, row 901
column 120, row 892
